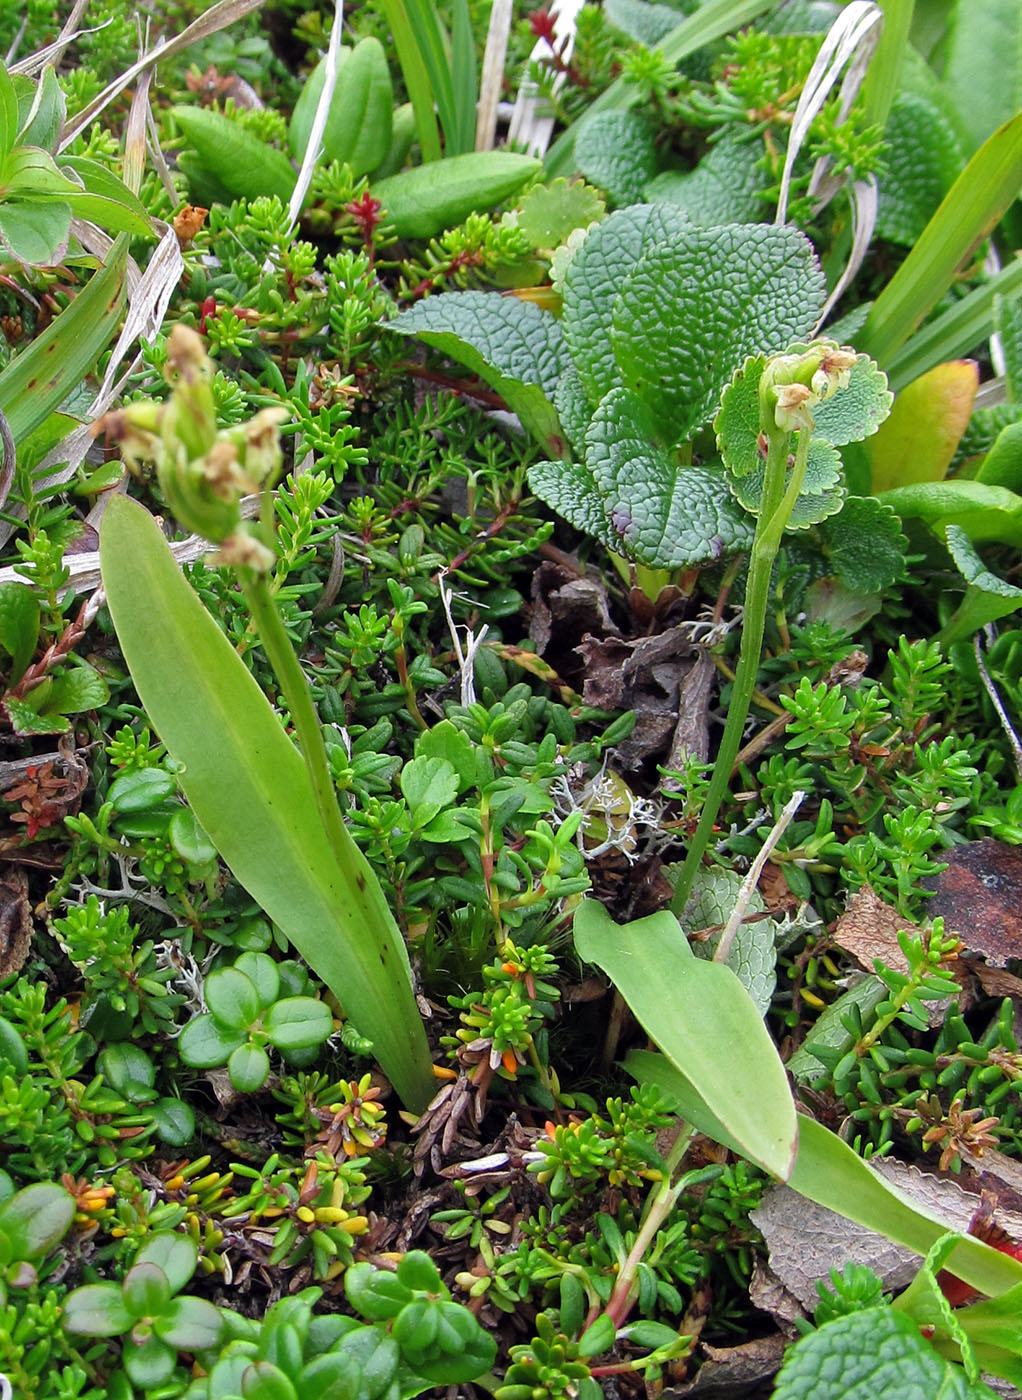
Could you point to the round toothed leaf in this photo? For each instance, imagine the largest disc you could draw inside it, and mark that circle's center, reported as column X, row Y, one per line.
column 695, row 307
column 865, row 545
column 737, row 422
column 972, row 568
column 573, row 407
column 856, row 411
column 822, row 491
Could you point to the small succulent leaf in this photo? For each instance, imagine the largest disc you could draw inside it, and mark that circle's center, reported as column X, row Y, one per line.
column 34, row 232
column 19, row 626
column 573, row 407
column 261, row 971
column 858, row 1356
column 96, row 1310
column 865, row 545
column 146, row 1290
column 822, row 491
column 984, row 512
column 176, row 1255
column 13, row 1056
column 415, row 1329
column 76, row 689
column 232, row 998
column 377, row 1355
column 417, row 1270
column 297, row 1023
column 919, row 439
column 704, row 1021
column 36, row 1218
column 248, row 1067
column 512, row 345
column 666, row 515
column 724, row 187
column 922, row 160
column 547, row 214
column 569, row 489
column 174, row 1121
column 615, row 152
column 693, row 308
column 332, row 1376
column 149, row 1363
column 190, row 1324
column 856, row 411
column 203, row 1044
column 608, row 253
column 262, row 1380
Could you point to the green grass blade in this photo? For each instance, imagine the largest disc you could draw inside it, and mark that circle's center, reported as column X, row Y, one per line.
column 978, row 199
column 881, row 82
column 250, row 789
column 956, row 331
column 416, row 76
column 432, row 42
column 40, row 378
column 712, row 20
column 464, row 78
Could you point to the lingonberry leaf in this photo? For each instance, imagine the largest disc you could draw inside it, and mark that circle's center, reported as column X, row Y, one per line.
column 261, row 971
column 694, row 307
column 512, row 345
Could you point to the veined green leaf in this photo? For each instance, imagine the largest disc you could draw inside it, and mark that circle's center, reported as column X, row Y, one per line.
column 706, row 1024
column 250, row 789
column 41, row 377
column 987, row 186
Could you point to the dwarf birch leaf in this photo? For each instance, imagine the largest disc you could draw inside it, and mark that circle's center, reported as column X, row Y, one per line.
column 695, row 307
column 667, row 515
column 706, row 1024
column 1002, row 466
column 609, row 252
column 865, row 545
column 615, row 152
column 822, row 491
column 569, row 489
column 722, row 189
column 510, row 344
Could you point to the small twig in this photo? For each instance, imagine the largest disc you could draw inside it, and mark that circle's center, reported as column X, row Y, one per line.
column 995, row 700
column 752, row 879
column 492, row 73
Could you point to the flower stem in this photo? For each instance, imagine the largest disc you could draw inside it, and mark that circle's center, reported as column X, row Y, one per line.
column 775, row 511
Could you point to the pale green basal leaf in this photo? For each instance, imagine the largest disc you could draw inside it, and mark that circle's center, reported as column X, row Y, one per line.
column 47, row 113
column 609, row 253
column 974, row 571
column 983, row 512
column 250, row 789
column 19, row 626
column 723, row 188
column 666, row 515
column 510, row 344
column 694, row 308
column 872, row 1353
column 35, row 232
column 983, row 67
column 704, row 1021
column 822, row 491
column 865, row 545
column 1002, row 466
column 616, row 153
column 8, row 113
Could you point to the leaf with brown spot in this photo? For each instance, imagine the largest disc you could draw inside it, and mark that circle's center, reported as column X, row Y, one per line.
column 869, row 928
column 15, row 919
